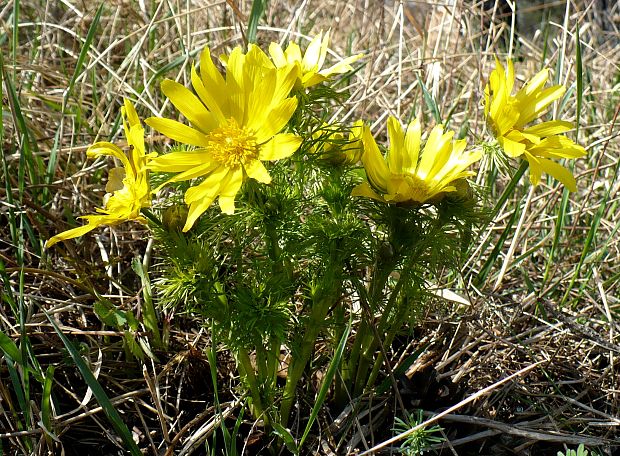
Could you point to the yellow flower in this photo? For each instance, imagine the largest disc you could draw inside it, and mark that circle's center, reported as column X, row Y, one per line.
column 508, row 116
column 330, row 143
column 309, row 66
column 408, row 175
column 236, row 123
column 127, row 187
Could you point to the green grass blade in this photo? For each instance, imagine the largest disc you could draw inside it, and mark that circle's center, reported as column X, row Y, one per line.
column 579, row 69
column 46, row 399
column 6, row 293
column 102, row 398
column 258, row 8
column 430, row 101
column 83, row 53
column 28, row 162
column 149, row 316
column 590, row 238
column 486, row 268
column 10, row 349
column 18, row 390
column 212, row 359
column 51, row 165
column 235, row 432
column 559, row 224
column 286, row 437
column 507, row 193
column 327, row 381
column 510, row 188
column 15, row 35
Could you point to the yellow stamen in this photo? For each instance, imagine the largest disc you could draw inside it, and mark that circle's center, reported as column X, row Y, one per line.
column 231, row 145
column 418, row 189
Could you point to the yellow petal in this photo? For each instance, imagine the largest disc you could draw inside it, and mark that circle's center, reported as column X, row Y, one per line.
column 285, row 80
column 511, row 148
column 259, row 100
column 343, row 66
column 534, row 84
column 510, row 77
column 558, row 146
column 216, row 103
column 312, row 56
column 192, row 173
column 70, row 234
column 212, row 78
column 129, row 111
column 280, row 146
column 257, row 171
column 196, row 209
column 506, row 119
column 311, row 79
column 412, row 146
column 115, row 179
column 535, row 168
column 275, row 121
column 323, row 53
column 497, row 89
column 189, row 104
column 229, row 191
column 442, row 156
column 396, row 153
column 365, row 190
column 377, row 170
column 257, row 57
column 105, row 148
column 435, row 143
column 550, row 128
column 200, row 197
column 293, row 53
column 234, row 70
column 137, row 153
column 534, row 108
column 208, row 187
column 175, row 162
column 539, row 165
column 236, row 89
column 130, row 117
column 277, row 55
column 178, row 131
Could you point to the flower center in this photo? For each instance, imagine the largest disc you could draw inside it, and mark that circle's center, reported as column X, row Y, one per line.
column 232, row 145
column 418, row 189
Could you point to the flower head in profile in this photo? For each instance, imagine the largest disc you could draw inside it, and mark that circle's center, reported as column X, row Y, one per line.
column 509, row 116
column 311, row 63
column 410, row 174
column 235, row 125
column 331, row 145
column 127, row 188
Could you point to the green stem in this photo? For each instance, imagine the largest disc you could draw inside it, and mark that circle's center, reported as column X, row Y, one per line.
column 360, row 343
column 273, row 244
column 340, row 393
column 246, row 369
column 371, row 344
column 298, row 364
column 393, row 330
column 327, row 294
column 509, row 190
column 149, row 215
column 273, row 359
